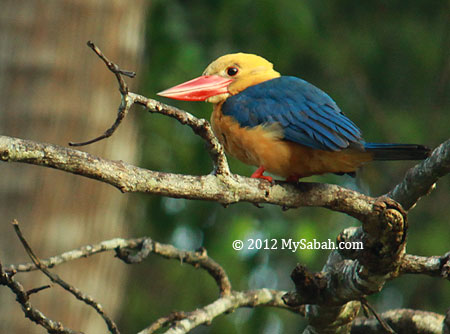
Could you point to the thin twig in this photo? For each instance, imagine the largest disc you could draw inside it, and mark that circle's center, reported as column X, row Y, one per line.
column 388, row 329
column 29, row 310
column 144, row 246
column 57, row 280
column 197, row 259
column 122, row 112
column 113, row 68
column 125, row 104
column 78, row 253
column 200, row 126
column 36, row 290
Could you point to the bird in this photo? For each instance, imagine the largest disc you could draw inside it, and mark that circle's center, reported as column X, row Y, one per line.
column 282, row 124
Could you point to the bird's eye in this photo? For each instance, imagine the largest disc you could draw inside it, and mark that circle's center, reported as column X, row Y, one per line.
column 232, row 71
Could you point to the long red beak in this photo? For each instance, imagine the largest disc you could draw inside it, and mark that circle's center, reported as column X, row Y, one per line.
column 198, row 89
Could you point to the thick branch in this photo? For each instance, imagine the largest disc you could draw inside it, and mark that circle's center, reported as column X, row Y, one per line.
column 420, row 179
column 402, row 321
column 221, row 188
column 333, row 295
column 253, row 298
column 438, row 266
column 351, row 274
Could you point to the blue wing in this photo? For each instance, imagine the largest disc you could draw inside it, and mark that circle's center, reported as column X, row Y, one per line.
column 307, row 115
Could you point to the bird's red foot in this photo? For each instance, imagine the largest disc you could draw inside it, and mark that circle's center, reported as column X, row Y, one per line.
column 259, row 174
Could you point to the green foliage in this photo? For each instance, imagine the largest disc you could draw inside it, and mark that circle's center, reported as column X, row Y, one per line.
column 384, row 62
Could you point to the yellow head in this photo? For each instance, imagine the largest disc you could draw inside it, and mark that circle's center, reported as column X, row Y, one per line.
column 227, row 75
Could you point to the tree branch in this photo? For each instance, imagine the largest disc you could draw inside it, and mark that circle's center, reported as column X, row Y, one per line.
column 30, row 312
column 198, row 259
column 383, row 221
column 221, row 188
column 181, row 322
column 205, row 315
column 348, row 276
column 333, row 294
column 437, row 266
column 125, row 104
column 420, row 179
column 200, row 127
column 88, row 300
column 402, row 321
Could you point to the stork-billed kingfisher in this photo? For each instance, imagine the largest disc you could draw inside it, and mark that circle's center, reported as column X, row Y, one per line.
column 282, row 124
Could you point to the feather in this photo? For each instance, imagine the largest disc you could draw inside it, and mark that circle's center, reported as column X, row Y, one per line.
column 307, row 115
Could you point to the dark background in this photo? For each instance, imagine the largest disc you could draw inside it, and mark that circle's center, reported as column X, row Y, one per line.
column 386, row 64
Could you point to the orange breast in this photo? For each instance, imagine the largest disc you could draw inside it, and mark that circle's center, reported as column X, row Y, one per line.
column 264, row 146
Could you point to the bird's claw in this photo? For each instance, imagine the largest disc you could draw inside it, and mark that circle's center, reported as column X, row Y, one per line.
column 259, row 174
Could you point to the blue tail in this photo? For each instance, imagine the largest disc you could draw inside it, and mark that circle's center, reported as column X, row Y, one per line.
column 397, row 151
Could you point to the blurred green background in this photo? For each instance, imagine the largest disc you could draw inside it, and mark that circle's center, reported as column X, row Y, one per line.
column 386, row 64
